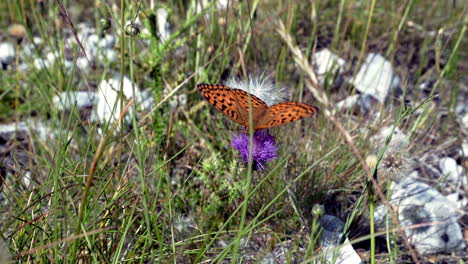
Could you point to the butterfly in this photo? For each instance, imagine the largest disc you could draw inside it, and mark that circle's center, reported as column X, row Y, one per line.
column 234, row 104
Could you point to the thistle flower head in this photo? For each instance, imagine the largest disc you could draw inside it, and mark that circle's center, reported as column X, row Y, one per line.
column 264, row 148
column 260, row 86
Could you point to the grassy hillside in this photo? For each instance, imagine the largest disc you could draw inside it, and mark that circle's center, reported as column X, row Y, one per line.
column 161, row 182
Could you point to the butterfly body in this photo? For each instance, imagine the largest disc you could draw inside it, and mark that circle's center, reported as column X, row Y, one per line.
column 235, row 104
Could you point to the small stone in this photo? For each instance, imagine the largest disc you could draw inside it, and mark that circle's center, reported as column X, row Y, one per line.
column 108, row 102
column 7, row 131
column 90, row 44
column 106, row 42
column 52, row 57
column 146, row 100
column 452, row 171
column 40, row 63
column 5, row 256
column 376, row 77
column 464, row 120
column 37, row 40
column 458, row 200
column 163, row 24
column 327, row 63
column 7, row 54
column 330, row 240
column 464, row 149
column 84, row 30
column 107, row 55
column 358, row 103
column 30, row 127
column 27, row 50
column 347, row 103
column 23, row 67
column 433, row 222
column 83, row 64
column 80, row 99
column 27, row 179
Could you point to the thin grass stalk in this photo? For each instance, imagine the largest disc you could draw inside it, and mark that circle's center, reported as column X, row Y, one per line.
column 444, row 71
column 264, row 179
column 366, row 34
column 387, row 228
column 404, row 18
column 248, row 183
column 371, row 198
column 313, row 237
column 311, row 45
column 90, row 177
column 247, row 28
column 320, row 95
column 59, row 242
column 116, row 258
column 121, row 96
column 275, row 199
column 336, row 35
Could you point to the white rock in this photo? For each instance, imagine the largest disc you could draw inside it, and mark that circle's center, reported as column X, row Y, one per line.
column 458, row 200
column 106, row 42
column 90, row 44
column 163, row 24
column 223, row 4
column 461, row 107
column 327, row 63
column 6, row 129
column 37, row 40
column 202, row 5
column 361, row 102
column 83, row 64
column 452, row 171
column 28, row 50
column 146, row 100
column 67, row 100
column 68, row 64
column 27, row 179
column 464, row 149
column 464, row 120
column 40, row 63
column 107, row 55
column 348, row 102
column 376, row 77
column 52, row 57
column 23, row 67
column 7, row 53
column 330, row 240
column 84, row 29
column 5, row 256
column 108, row 103
column 429, row 220
column 29, row 127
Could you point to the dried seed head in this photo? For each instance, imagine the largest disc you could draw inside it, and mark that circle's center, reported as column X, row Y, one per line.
column 17, row 31
column 371, row 161
column 394, row 166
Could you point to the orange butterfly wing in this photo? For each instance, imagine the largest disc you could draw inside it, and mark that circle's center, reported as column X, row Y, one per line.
column 233, row 103
column 283, row 113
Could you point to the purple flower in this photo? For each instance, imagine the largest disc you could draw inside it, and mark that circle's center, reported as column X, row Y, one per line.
column 264, row 148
